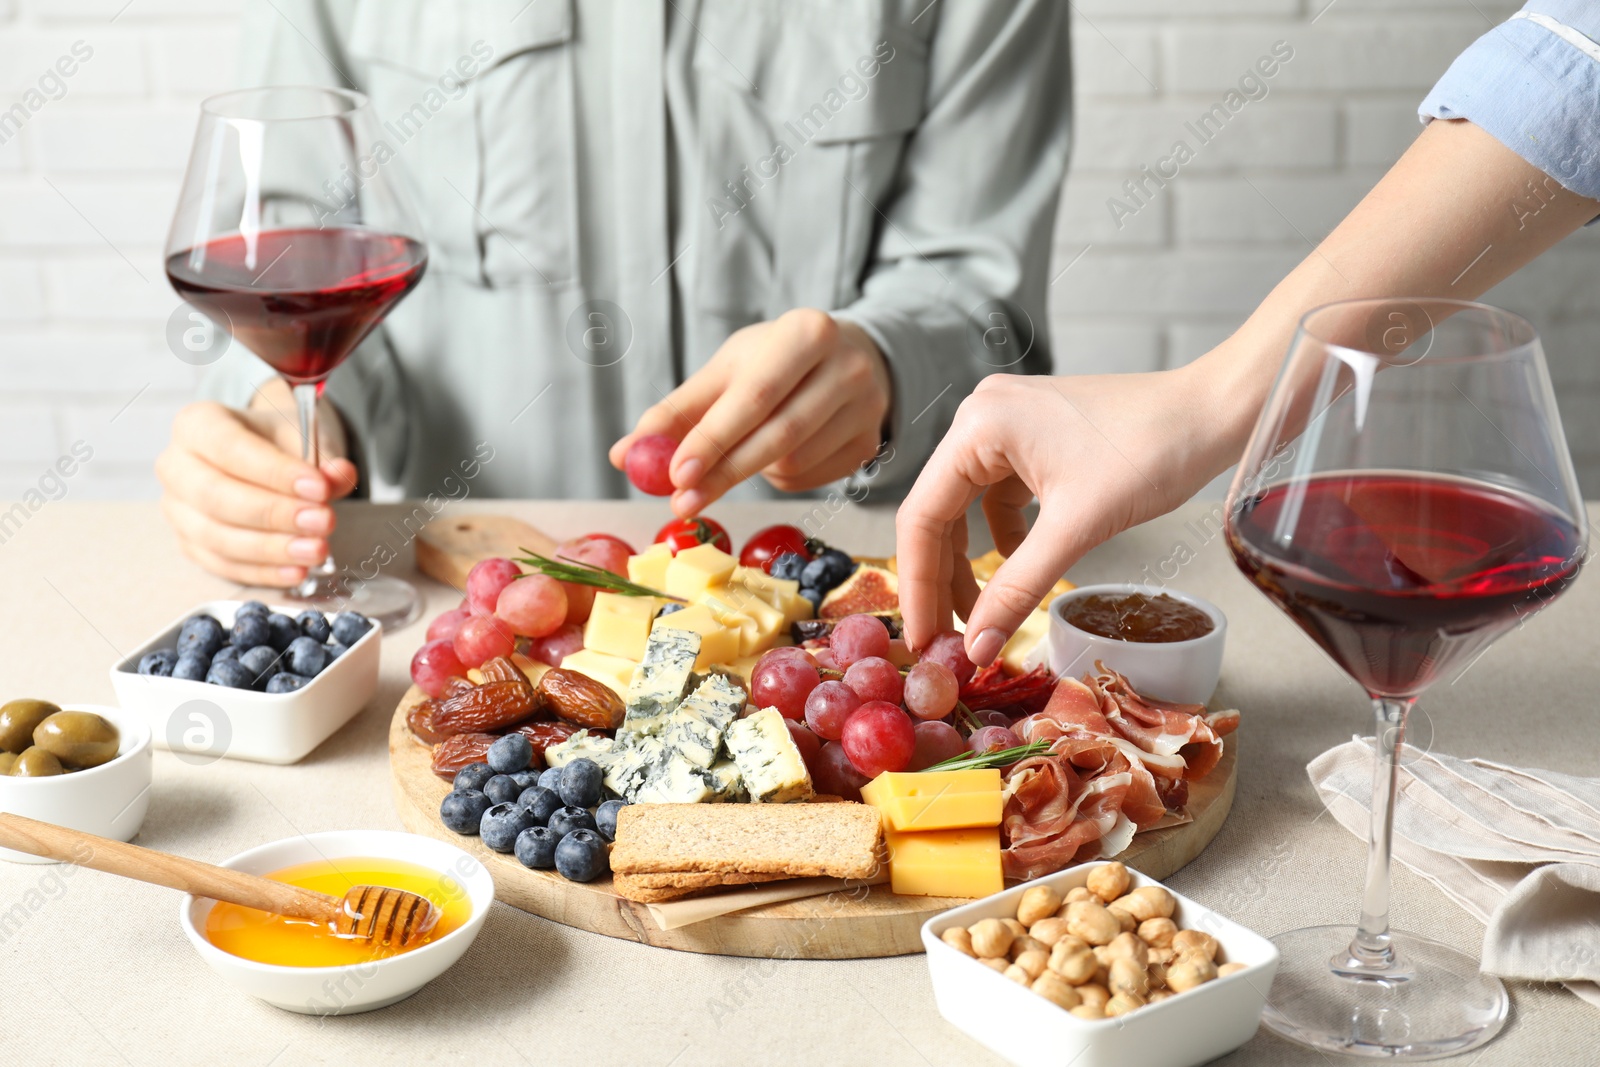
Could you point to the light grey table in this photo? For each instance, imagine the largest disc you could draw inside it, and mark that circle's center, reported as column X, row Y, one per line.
column 96, row 969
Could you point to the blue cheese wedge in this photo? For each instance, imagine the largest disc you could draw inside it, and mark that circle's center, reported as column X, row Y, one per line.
column 726, row 782
column 677, row 781
column 597, row 747
column 633, row 764
column 695, row 730
column 661, row 681
column 768, row 761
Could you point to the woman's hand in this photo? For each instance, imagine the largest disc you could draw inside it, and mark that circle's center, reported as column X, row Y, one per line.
column 800, row 400
column 243, row 503
column 1100, row 453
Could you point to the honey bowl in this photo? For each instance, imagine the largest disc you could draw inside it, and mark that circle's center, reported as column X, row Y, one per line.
column 296, row 966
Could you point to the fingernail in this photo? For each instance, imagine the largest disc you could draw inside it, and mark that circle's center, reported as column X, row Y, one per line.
column 689, row 472
column 305, row 549
column 312, row 520
column 292, row 575
column 689, row 503
column 310, row 488
column 986, row 646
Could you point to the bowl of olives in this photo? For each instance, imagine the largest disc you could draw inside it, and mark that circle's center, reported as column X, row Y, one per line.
column 83, row 766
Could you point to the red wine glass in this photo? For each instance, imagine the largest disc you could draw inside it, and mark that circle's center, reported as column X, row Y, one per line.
column 1406, row 499
column 295, row 234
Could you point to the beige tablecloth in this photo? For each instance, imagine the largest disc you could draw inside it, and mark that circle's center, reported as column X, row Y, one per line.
column 99, row 972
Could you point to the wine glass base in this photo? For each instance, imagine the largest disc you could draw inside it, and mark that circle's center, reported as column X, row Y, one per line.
column 1434, row 1004
column 391, row 601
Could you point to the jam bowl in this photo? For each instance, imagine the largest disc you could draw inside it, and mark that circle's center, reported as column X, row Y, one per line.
column 1181, row 671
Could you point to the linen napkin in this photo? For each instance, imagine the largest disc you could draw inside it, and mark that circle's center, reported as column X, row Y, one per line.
column 1518, row 848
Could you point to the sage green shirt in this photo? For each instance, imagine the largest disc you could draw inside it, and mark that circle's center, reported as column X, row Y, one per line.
column 612, row 187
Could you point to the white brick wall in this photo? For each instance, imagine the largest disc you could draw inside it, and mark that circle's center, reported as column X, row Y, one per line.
column 88, row 187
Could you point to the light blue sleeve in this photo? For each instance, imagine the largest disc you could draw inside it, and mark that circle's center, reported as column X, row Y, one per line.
column 1533, row 82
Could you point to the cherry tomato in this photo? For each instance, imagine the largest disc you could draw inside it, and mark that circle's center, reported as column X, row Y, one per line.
column 680, row 534
column 766, row 545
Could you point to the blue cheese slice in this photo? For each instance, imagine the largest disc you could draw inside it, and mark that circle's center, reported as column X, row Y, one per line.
column 677, row 781
column 634, row 764
column 768, row 761
column 661, row 681
column 726, row 782
column 695, row 730
column 597, row 747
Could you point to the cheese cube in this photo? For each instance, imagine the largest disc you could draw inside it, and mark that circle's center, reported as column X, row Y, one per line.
column 1028, row 637
column 650, row 566
column 695, row 570
column 766, row 623
column 613, row 671
column 775, row 591
column 662, row 679
column 936, row 800
column 718, row 644
column 620, row 625
column 768, row 760
column 945, row 863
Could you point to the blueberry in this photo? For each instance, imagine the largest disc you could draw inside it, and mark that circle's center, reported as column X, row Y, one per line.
column 501, row 824
column 502, row 789
column 348, row 626
column 306, row 656
column 249, row 631
column 283, row 630
column 192, row 666
column 813, row 595
column 605, row 818
column 286, row 682
column 232, row 674
column 462, row 811
column 510, row 754
column 252, row 607
column 787, row 565
column 567, row 819
column 669, row 607
column 158, row 663
column 227, row 654
column 540, row 802
column 551, row 779
column 314, row 624
column 581, row 783
column 582, row 856
column 335, row 650
column 261, row 662
column 827, row 570
column 526, row 779
column 536, row 847
column 472, row 777
column 201, row 633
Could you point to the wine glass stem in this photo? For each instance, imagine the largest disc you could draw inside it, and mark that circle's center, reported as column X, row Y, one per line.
column 319, row 577
column 1372, row 944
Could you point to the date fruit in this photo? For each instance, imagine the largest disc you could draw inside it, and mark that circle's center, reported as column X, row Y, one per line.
column 490, row 706
column 420, row 720
column 578, row 698
column 541, row 735
column 455, row 753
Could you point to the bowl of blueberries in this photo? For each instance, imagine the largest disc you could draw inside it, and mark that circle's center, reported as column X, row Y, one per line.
column 552, row 819
column 247, row 681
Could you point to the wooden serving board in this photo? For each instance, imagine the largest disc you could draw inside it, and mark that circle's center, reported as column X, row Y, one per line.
column 447, row 550
column 878, row 924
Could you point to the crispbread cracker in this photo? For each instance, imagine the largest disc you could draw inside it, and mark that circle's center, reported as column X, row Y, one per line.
column 646, row 889
column 792, row 840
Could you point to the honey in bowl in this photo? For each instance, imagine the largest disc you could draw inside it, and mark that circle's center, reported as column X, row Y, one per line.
column 278, row 939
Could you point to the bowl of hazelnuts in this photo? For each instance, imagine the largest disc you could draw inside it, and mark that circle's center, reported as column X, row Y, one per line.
column 1098, row 965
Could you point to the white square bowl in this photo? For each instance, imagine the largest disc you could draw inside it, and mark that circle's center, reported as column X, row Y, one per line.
column 1015, row 1022
column 202, row 722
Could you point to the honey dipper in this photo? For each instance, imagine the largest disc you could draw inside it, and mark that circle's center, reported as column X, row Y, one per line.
column 376, row 914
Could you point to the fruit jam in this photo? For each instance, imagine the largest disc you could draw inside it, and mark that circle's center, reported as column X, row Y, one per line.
column 266, row 938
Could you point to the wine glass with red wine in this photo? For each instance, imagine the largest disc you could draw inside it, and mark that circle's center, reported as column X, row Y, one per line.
column 1407, row 498
column 295, row 234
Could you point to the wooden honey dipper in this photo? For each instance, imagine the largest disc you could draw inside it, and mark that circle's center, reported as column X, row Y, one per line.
column 375, row 914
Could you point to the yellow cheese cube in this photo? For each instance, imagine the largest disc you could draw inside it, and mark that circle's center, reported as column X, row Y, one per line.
column 1027, row 638
column 769, row 623
column 718, row 644
column 613, row 671
column 620, row 625
column 694, row 570
column 775, row 591
column 936, row 800
column 946, row 863
column 649, row 567
column 733, row 619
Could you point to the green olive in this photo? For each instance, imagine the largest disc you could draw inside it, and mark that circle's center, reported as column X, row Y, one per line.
column 36, row 763
column 6, row 760
column 18, row 720
column 77, row 738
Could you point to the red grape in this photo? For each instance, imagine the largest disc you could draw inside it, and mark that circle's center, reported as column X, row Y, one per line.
column 824, row 658
column 875, row 679
column 649, row 464
column 481, row 638
column 931, row 690
column 486, row 579
column 807, row 742
column 947, row 648
column 828, row 707
column 992, row 739
column 580, row 598
column 899, row 654
column 857, row 637
column 782, row 679
column 879, row 737
column 768, row 544
column 557, row 645
column 835, row 775
column 936, row 742
column 532, row 606
column 433, row 665
column 993, row 717
column 445, row 626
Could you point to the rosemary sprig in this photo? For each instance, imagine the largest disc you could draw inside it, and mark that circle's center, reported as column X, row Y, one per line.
column 566, row 570
column 1004, row 757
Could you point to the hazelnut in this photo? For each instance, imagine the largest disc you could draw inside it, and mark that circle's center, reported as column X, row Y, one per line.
column 1078, row 892
column 991, row 937
column 1092, row 923
column 1157, row 995
column 996, row 963
column 1160, row 899
column 1037, row 903
column 1125, row 921
column 1127, row 946
column 1072, row 961
column 1049, row 930
column 1194, row 942
column 1108, row 881
column 1128, row 978
column 958, row 938
column 1025, row 943
column 1018, row 975
column 1056, row 990
column 1088, row 1011
column 1016, row 928
column 1094, row 993
column 1230, row 968
column 1157, row 932
column 1123, row 1003
column 1034, row 962
column 1188, row 972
